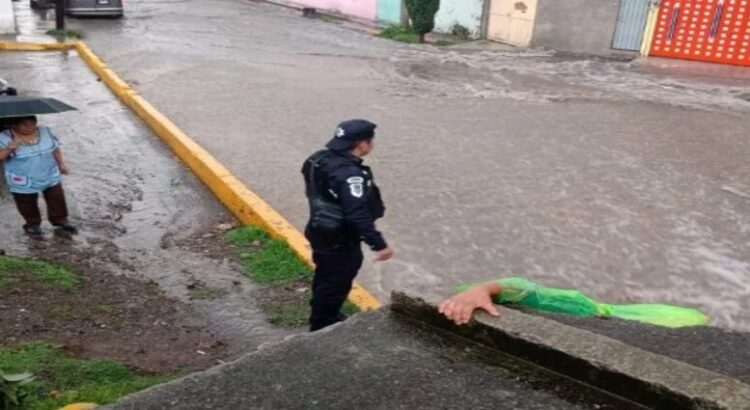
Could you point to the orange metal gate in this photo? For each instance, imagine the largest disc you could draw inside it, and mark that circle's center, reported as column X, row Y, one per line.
column 707, row 30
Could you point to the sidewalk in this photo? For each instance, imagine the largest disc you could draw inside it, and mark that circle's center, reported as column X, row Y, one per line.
column 120, row 173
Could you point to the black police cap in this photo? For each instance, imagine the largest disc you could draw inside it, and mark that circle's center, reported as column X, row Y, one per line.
column 349, row 133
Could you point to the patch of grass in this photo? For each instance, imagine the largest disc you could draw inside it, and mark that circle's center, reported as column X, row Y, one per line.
column 44, row 272
column 61, row 379
column 328, row 18
column 63, row 311
column 269, row 260
column 288, row 315
column 350, row 308
column 207, row 293
column 104, row 309
column 6, row 281
column 68, row 33
column 246, row 236
column 273, row 262
column 400, row 33
column 296, row 314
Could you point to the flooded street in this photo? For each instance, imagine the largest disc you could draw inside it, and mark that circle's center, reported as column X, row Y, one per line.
column 613, row 177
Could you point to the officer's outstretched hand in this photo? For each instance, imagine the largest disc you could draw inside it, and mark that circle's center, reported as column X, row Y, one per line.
column 459, row 308
column 384, row 254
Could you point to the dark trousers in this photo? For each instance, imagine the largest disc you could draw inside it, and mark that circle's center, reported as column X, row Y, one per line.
column 334, row 274
column 57, row 208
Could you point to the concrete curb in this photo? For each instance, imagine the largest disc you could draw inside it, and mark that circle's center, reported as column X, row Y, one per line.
column 246, row 205
column 646, row 378
column 15, row 46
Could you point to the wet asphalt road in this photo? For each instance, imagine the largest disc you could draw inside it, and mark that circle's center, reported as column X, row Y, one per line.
column 587, row 173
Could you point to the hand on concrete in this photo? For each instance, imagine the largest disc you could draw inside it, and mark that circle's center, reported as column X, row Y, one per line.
column 64, row 169
column 384, row 254
column 460, row 307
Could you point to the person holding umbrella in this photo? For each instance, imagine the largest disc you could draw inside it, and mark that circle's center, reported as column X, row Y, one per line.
column 33, row 165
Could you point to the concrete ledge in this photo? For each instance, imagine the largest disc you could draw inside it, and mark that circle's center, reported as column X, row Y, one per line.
column 649, row 379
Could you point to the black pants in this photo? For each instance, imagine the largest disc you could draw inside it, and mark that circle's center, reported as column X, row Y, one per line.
column 57, row 208
column 334, row 274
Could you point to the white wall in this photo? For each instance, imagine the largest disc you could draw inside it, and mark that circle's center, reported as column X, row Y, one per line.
column 467, row 13
column 7, row 21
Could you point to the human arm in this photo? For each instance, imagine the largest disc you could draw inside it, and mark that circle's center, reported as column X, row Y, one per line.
column 57, row 153
column 7, row 150
column 460, row 307
column 350, row 187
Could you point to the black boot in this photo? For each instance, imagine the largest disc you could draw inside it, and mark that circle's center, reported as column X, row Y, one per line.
column 33, row 231
column 66, row 227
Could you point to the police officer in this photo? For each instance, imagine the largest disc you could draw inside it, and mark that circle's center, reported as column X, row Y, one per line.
column 344, row 204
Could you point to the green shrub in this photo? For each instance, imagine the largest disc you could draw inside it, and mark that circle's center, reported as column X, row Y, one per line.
column 14, row 389
column 422, row 14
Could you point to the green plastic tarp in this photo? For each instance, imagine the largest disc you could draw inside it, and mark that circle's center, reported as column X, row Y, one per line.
column 523, row 292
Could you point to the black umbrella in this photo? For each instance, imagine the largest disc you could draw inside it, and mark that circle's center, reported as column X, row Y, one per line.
column 13, row 106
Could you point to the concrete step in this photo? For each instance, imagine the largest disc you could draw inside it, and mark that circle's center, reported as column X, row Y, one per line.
column 649, row 377
column 410, row 357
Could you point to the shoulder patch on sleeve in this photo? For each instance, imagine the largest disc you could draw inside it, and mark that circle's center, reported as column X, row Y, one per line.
column 357, row 190
column 355, row 180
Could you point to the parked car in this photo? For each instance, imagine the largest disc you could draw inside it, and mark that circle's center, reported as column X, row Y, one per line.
column 42, row 4
column 112, row 8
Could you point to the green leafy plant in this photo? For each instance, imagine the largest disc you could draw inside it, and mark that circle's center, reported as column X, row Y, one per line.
column 399, row 33
column 69, row 33
column 460, row 31
column 62, row 379
column 14, row 389
column 422, row 14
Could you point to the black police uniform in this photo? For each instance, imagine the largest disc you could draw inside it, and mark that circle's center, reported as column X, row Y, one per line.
column 341, row 179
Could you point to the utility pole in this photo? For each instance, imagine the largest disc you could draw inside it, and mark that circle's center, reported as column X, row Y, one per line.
column 60, row 15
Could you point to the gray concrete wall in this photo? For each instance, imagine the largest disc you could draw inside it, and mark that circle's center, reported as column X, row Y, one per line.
column 578, row 26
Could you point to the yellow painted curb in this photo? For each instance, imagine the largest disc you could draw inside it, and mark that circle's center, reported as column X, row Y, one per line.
column 247, row 206
column 15, row 46
column 79, row 406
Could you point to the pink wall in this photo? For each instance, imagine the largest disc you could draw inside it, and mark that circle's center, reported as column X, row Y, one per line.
column 365, row 9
